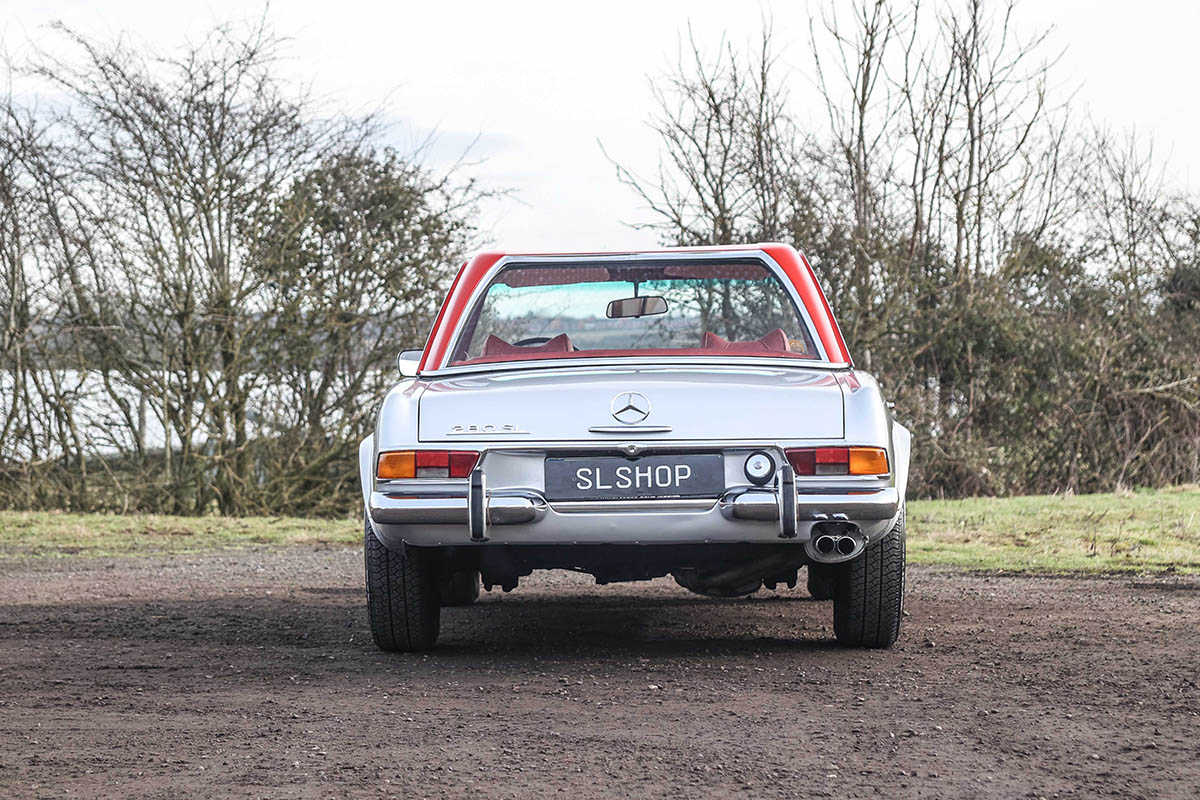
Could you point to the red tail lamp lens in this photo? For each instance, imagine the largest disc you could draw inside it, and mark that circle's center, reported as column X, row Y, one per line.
column 462, row 462
column 426, row 464
column 833, row 461
column 803, row 461
column 433, row 459
column 838, row 460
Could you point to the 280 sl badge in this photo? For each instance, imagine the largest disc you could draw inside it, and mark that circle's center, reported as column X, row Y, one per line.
column 487, row 429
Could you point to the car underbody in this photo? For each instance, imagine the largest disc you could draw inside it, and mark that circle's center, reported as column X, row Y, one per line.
column 712, row 569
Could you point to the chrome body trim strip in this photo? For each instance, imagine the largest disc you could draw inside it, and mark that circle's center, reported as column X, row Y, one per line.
column 623, row 429
column 620, row 506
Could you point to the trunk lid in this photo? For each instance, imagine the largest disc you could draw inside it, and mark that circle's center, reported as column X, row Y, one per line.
column 696, row 403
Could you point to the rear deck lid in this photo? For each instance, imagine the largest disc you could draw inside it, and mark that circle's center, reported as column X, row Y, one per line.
column 581, row 404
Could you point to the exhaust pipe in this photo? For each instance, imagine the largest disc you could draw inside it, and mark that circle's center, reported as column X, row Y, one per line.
column 742, row 573
column 835, row 541
column 739, row 580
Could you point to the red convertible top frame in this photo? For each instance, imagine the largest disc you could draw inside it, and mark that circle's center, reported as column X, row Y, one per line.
column 793, row 264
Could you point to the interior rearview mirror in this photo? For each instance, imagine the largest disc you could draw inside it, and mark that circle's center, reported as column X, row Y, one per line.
column 407, row 362
column 637, row 307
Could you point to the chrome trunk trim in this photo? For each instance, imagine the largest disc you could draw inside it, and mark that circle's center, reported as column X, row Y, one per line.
column 630, row 429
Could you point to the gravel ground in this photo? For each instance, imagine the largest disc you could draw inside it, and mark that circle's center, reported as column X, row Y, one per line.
column 252, row 674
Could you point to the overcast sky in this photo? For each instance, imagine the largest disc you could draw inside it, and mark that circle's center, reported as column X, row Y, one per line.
column 540, row 84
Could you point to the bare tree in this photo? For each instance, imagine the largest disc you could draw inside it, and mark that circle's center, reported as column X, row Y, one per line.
column 728, row 149
column 970, row 234
column 190, row 219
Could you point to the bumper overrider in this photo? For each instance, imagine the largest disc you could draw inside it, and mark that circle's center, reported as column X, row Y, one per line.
column 832, row 524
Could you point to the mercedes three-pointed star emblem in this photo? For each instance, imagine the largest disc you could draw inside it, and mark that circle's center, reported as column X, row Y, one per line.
column 630, row 407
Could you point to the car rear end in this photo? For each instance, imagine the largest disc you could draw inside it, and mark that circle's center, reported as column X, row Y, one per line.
column 631, row 416
column 735, row 454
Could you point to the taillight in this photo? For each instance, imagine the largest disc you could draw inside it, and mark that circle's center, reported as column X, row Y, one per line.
column 868, row 461
column 462, row 462
column 433, row 464
column 426, row 464
column 396, row 465
column 838, row 460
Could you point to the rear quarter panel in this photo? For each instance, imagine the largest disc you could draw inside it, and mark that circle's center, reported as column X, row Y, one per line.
column 869, row 421
column 395, row 429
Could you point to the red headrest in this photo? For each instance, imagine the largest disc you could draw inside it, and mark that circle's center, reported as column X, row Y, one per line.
column 774, row 342
column 495, row 346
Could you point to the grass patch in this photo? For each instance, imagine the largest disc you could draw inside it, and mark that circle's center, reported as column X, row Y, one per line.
column 49, row 533
column 1144, row 531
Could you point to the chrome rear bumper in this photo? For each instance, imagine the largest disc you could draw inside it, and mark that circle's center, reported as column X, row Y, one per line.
column 442, row 514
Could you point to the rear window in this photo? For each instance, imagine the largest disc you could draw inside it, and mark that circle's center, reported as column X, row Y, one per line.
column 539, row 311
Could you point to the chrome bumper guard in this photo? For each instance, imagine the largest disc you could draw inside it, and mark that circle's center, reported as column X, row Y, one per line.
column 764, row 504
column 506, row 507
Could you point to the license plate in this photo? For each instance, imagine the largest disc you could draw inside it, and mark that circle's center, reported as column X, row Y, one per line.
column 649, row 477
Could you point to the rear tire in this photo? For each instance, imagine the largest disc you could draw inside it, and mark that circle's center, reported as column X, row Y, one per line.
column 821, row 581
column 402, row 595
column 868, row 597
column 460, row 588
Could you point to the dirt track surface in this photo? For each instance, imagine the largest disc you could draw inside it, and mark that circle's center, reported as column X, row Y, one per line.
column 253, row 675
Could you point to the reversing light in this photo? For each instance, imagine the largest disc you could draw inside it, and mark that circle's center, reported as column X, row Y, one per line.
column 462, row 462
column 401, row 464
column 759, row 467
column 838, row 460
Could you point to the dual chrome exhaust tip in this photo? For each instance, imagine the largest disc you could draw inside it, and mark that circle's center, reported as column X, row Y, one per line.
column 833, row 542
column 842, row 545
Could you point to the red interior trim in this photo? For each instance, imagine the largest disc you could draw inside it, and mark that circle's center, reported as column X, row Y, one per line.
column 818, row 308
column 495, row 346
column 455, row 306
column 430, row 344
column 775, row 341
column 793, row 264
column 657, row 351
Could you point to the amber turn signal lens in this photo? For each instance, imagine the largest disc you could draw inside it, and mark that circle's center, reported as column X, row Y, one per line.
column 400, row 464
column 838, row 460
column 868, row 461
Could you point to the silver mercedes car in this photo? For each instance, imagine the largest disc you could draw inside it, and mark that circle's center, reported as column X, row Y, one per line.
column 692, row 412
